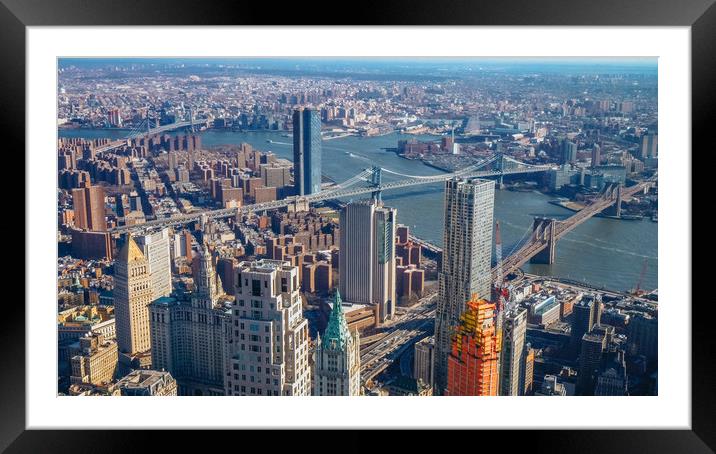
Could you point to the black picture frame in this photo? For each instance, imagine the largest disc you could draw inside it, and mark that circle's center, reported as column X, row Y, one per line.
column 15, row 15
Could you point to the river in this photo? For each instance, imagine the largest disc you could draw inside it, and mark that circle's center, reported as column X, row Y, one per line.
column 602, row 252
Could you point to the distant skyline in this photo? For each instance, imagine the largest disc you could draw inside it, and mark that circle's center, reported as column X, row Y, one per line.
column 532, row 64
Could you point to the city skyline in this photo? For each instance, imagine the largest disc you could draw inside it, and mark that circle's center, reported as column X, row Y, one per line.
column 351, row 250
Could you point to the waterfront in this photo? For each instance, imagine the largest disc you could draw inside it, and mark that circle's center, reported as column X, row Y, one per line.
column 602, row 252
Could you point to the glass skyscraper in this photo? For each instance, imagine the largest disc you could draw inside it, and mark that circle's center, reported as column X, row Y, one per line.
column 306, row 151
column 466, row 261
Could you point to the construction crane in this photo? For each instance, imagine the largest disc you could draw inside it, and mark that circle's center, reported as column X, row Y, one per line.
column 638, row 291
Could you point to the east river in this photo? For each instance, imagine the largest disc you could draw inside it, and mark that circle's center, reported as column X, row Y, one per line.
column 602, row 252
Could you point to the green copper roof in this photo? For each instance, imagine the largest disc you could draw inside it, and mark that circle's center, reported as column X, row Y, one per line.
column 337, row 329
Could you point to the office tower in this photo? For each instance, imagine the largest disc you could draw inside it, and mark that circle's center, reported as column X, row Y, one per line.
column 155, row 247
column 148, row 383
column 590, row 358
column 569, row 151
column 642, row 335
column 649, row 143
column 513, row 352
column 269, row 339
column 96, row 360
column 586, row 314
column 337, row 368
column 132, row 296
column 612, row 379
column 88, row 205
column 475, row 356
column 424, row 360
column 466, row 262
column 596, row 155
column 367, row 255
column 306, row 151
column 190, row 337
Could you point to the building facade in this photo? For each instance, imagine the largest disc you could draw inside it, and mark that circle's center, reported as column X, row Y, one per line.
column 367, row 255
column 132, row 296
column 155, row 247
column 306, row 151
column 473, row 364
column 466, row 260
column 96, row 361
column 88, row 206
column 337, row 366
column 148, row 383
column 512, row 356
column 649, row 143
column 269, row 335
column 190, row 337
column 424, row 360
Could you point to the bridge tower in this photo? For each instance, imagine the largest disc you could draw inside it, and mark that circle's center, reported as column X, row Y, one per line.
column 544, row 229
column 614, row 192
column 149, row 126
column 375, row 181
column 191, row 120
column 500, row 166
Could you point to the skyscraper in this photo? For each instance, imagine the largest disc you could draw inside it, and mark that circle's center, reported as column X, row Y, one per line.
column 586, row 314
column 513, row 352
column 190, row 338
column 596, row 155
column 569, row 151
column 88, row 205
column 367, row 255
column 649, row 145
column 466, row 261
column 590, row 358
column 473, row 363
column 132, row 296
column 337, row 368
column 306, row 151
column 155, row 247
column 424, row 360
column 269, row 348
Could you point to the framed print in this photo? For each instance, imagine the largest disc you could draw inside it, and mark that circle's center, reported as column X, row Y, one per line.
column 436, row 218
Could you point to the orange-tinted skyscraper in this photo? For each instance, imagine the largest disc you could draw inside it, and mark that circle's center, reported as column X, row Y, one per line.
column 473, row 363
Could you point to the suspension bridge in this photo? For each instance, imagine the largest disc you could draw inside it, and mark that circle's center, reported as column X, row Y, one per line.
column 145, row 129
column 501, row 166
column 540, row 246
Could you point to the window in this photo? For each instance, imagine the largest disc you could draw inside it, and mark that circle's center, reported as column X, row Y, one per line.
column 255, row 287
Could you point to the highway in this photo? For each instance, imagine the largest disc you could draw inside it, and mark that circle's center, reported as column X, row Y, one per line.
column 405, row 331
